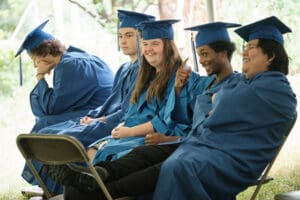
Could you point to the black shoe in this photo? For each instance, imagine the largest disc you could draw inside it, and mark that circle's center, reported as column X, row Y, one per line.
column 72, row 193
column 82, row 179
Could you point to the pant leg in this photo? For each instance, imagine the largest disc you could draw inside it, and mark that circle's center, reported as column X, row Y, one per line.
column 137, row 183
column 138, row 159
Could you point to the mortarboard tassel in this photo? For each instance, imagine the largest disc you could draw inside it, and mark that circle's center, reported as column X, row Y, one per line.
column 138, row 49
column 196, row 69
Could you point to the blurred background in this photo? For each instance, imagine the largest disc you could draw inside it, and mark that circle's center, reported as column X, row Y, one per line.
column 92, row 25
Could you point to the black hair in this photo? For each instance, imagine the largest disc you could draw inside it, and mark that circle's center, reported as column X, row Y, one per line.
column 275, row 50
column 221, row 45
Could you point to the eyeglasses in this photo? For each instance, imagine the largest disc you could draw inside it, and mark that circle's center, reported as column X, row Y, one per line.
column 248, row 47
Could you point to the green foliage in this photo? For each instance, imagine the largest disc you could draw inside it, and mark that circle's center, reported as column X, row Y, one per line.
column 9, row 73
column 10, row 12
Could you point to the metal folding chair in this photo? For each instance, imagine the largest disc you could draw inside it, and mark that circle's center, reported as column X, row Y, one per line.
column 264, row 178
column 55, row 150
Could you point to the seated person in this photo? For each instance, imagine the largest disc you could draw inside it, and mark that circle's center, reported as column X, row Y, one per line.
column 102, row 120
column 146, row 115
column 227, row 149
column 80, row 81
column 215, row 51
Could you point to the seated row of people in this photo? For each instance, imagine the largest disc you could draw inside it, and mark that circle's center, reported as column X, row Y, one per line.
column 209, row 120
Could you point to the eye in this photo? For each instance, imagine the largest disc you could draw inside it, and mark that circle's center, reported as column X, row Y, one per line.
column 204, row 54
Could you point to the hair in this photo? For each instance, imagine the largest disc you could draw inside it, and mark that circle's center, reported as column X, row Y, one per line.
column 53, row 47
column 223, row 45
column 275, row 50
column 156, row 83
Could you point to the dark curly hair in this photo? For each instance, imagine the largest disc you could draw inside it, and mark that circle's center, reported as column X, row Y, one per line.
column 221, row 45
column 53, row 47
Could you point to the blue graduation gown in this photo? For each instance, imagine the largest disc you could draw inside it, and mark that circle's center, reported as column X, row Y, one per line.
column 113, row 109
column 182, row 106
column 80, row 82
column 227, row 150
column 142, row 112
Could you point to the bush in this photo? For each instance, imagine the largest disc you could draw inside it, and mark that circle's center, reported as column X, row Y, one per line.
column 9, row 73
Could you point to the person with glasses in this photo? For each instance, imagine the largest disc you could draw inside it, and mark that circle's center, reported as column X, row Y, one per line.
column 229, row 146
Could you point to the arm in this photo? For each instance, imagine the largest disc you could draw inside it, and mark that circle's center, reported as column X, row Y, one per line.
column 156, row 138
column 122, row 131
column 65, row 95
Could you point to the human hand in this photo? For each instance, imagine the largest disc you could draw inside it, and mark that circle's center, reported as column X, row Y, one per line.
column 86, row 120
column 182, row 76
column 121, row 131
column 102, row 119
column 154, row 138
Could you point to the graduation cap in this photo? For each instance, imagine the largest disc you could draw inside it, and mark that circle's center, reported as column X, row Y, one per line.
column 212, row 32
column 34, row 38
column 132, row 19
column 268, row 28
column 158, row 29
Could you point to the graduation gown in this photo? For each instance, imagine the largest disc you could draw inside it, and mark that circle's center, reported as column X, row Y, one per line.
column 231, row 142
column 182, row 106
column 80, row 82
column 113, row 109
column 155, row 112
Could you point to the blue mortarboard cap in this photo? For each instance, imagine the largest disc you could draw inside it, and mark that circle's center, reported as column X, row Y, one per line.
column 34, row 38
column 211, row 32
column 131, row 19
column 157, row 29
column 268, row 28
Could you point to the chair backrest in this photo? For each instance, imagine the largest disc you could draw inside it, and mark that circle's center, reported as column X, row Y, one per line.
column 55, row 150
column 264, row 177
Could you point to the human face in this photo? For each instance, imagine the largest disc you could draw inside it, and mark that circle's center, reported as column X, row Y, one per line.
column 153, row 50
column 44, row 64
column 127, row 41
column 254, row 60
column 210, row 60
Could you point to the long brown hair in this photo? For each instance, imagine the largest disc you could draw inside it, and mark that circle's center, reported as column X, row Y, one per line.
column 157, row 82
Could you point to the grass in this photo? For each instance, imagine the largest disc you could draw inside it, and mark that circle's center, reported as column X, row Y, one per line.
column 16, row 118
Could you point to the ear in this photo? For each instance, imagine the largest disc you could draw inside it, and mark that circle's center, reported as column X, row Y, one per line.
column 223, row 54
column 271, row 58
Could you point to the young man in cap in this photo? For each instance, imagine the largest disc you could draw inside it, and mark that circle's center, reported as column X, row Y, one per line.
column 99, row 122
column 80, row 81
column 231, row 144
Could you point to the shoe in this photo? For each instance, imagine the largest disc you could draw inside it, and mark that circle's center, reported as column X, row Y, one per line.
column 82, row 179
column 32, row 191
column 72, row 193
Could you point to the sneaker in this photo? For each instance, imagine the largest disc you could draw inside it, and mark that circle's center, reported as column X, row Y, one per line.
column 71, row 193
column 32, row 191
column 82, row 179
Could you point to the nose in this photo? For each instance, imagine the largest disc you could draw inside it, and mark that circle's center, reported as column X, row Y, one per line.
column 148, row 48
column 201, row 60
column 36, row 62
column 245, row 52
column 122, row 40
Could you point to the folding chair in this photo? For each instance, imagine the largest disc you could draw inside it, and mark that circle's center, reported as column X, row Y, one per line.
column 55, row 150
column 264, row 178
